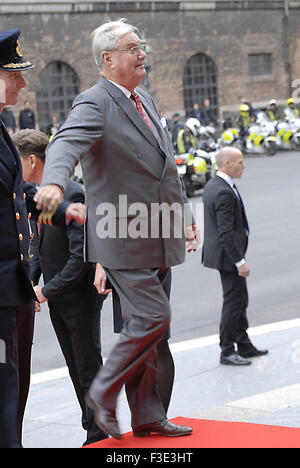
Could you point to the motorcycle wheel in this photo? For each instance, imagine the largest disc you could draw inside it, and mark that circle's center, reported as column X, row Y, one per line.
column 295, row 145
column 271, row 148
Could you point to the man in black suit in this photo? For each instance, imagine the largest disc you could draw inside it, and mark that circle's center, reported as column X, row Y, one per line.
column 226, row 233
column 74, row 303
column 16, row 292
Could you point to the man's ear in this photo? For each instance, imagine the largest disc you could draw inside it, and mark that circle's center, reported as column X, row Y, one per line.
column 33, row 160
column 106, row 57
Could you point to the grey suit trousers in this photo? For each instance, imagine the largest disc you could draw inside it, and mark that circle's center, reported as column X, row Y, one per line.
column 133, row 360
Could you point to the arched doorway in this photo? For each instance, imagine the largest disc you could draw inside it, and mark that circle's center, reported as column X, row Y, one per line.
column 200, row 82
column 58, row 85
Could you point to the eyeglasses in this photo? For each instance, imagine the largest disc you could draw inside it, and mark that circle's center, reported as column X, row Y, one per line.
column 134, row 50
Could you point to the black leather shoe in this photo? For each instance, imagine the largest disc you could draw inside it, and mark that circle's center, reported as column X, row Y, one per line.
column 104, row 418
column 234, row 360
column 166, row 428
column 253, row 353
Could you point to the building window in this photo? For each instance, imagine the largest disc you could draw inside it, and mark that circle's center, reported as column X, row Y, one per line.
column 200, row 82
column 260, row 64
column 58, row 85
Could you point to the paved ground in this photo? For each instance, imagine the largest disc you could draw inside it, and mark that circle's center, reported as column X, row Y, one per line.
column 267, row 392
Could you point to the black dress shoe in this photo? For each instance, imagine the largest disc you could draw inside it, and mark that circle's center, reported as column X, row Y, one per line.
column 234, row 360
column 104, row 418
column 253, row 352
column 166, row 428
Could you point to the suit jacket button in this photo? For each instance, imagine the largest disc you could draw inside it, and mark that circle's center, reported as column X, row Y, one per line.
column 14, row 195
column 31, row 235
column 24, row 196
column 21, row 237
column 22, row 257
column 29, row 215
column 17, row 216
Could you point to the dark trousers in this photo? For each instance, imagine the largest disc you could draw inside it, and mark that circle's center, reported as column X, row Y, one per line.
column 16, row 335
column 133, row 360
column 234, row 322
column 78, row 332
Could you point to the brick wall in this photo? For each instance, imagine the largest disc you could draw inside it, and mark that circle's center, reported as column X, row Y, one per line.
column 225, row 31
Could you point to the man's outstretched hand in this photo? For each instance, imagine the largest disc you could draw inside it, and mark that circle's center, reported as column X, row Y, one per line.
column 48, row 197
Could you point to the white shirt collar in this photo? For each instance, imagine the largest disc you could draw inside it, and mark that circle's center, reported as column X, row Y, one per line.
column 226, row 177
column 125, row 90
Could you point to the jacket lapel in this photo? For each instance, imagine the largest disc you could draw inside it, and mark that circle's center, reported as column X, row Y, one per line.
column 223, row 182
column 129, row 110
column 240, row 204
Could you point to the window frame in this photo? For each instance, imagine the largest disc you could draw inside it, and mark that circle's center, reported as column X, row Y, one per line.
column 57, row 87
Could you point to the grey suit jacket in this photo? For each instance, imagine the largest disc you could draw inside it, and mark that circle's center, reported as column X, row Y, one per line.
column 120, row 155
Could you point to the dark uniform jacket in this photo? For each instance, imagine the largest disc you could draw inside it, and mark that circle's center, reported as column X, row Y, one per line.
column 16, row 207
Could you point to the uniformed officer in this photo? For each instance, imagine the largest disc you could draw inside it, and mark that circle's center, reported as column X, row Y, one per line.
column 16, row 293
column 272, row 111
column 243, row 122
column 291, row 112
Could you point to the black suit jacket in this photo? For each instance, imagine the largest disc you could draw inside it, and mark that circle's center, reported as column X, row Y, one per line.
column 16, row 205
column 58, row 255
column 225, row 239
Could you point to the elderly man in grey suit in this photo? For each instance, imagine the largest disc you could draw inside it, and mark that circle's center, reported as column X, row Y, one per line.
column 126, row 155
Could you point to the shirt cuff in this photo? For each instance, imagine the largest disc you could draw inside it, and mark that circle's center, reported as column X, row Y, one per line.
column 240, row 263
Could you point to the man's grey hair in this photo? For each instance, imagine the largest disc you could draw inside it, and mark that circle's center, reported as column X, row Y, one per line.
column 107, row 37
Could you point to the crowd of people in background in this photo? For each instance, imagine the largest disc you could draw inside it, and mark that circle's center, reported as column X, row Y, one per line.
column 27, row 120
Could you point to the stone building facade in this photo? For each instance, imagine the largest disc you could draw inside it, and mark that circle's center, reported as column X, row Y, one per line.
column 199, row 48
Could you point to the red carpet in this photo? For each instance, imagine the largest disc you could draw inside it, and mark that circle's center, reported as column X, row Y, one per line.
column 212, row 434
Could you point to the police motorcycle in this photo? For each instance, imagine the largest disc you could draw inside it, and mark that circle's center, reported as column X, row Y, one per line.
column 262, row 136
column 207, row 135
column 207, row 143
column 288, row 134
column 194, row 164
column 288, row 130
column 229, row 136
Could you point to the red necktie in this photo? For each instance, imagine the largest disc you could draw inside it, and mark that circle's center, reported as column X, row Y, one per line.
column 140, row 109
column 39, row 228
